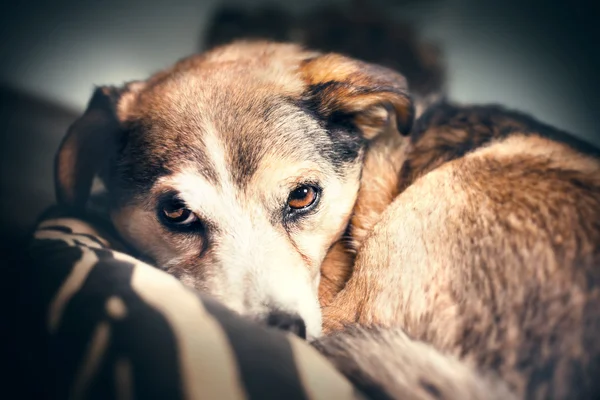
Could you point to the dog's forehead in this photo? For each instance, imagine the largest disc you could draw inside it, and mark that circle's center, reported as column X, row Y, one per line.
column 229, row 73
column 235, row 116
column 238, row 85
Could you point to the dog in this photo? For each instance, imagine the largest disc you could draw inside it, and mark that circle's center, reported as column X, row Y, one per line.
column 455, row 258
column 238, row 169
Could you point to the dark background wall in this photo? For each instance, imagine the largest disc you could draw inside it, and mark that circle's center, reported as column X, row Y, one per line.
column 534, row 55
column 537, row 56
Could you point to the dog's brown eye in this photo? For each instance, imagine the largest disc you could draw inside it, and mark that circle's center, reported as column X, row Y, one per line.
column 179, row 215
column 302, row 197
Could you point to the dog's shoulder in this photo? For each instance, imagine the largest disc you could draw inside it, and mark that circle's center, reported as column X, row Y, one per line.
column 447, row 131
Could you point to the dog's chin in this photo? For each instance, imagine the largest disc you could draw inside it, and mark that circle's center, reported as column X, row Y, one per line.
column 314, row 326
column 315, row 333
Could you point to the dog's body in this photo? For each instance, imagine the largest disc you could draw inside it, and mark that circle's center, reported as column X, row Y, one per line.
column 256, row 171
column 491, row 253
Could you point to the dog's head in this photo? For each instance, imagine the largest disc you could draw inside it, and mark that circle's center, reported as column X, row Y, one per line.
column 236, row 170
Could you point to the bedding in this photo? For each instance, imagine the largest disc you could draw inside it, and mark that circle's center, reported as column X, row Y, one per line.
column 113, row 326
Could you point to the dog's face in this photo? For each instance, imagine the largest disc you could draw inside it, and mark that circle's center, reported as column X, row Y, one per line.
column 238, row 169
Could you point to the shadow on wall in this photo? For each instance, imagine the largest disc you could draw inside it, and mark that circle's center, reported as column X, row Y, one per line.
column 30, row 132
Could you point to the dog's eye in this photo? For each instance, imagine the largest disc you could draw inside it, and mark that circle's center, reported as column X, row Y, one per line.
column 179, row 215
column 302, row 197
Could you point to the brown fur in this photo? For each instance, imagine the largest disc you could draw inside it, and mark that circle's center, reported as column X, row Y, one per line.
column 381, row 166
column 491, row 253
column 446, row 132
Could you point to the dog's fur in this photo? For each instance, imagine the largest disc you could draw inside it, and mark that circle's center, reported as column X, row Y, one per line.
column 476, row 237
column 491, row 253
column 232, row 132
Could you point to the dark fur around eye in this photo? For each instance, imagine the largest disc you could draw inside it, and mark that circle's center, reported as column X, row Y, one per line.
column 167, row 213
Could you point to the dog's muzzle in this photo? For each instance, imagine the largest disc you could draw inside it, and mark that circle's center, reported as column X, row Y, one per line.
column 288, row 322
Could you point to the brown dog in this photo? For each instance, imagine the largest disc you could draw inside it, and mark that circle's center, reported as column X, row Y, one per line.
column 256, row 171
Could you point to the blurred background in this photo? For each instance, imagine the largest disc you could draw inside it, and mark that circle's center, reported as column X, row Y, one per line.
column 540, row 57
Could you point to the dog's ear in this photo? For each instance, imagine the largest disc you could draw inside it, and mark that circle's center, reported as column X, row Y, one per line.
column 366, row 94
column 86, row 146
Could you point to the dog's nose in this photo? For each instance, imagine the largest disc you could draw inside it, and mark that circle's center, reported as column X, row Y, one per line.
column 287, row 322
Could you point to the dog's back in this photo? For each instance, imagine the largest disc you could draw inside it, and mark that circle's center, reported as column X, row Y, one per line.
column 491, row 254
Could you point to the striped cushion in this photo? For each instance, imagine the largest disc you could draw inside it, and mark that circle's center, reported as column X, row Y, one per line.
column 116, row 327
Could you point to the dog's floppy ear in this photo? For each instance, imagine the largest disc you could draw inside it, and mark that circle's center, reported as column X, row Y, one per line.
column 341, row 87
column 86, row 146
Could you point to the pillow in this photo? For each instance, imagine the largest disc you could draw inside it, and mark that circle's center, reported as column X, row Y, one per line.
column 113, row 326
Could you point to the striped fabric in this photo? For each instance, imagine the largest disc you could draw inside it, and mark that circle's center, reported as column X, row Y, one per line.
column 116, row 327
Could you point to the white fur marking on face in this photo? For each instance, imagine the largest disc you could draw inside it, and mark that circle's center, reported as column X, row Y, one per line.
column 254, row 268
column 216, row 151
